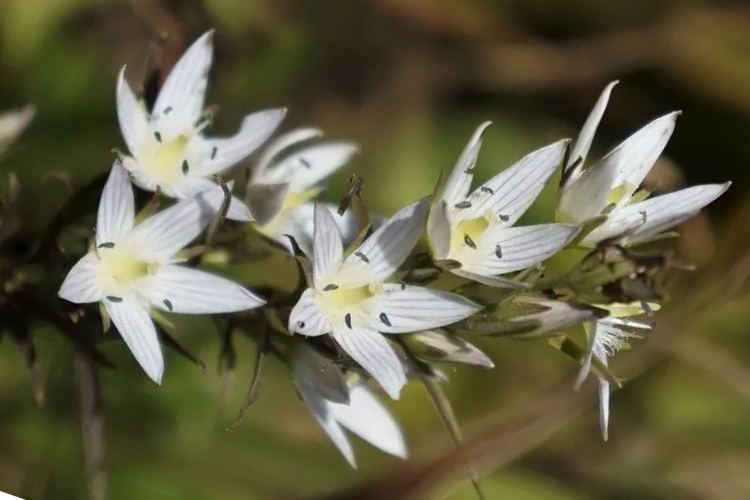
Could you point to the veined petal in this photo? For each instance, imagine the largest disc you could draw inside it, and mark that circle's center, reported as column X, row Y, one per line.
column 403, row 309
column 261, row 171
column 586, row 197
column 386, row 249
column 310, row 166
column 227, row 152
column 669, row 210
column 180, row 102
column 604, row 393
column 318, row 374
column 511, row 192
column 185, row 290
column 373, row 353
column 489, row 280
column 130, row 114
column 439, row 230
column 139, row 333
column 307, row 318
column 458, row 184
column 640, row 151
column 582, row 145
column 320, row 409
column 299, row 222
column 368, row 417
column 166, row 233
column 193, row 186
column 116, row 206
column 506, row 250
column 328, row 251
column 592, row 329
column 81, row 284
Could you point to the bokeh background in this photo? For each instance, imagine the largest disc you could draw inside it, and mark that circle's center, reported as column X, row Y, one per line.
column 408, row 80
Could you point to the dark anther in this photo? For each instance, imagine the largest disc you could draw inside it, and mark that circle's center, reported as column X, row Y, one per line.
column 487, row 190
column 498, row 252
column 108, row 244
column 305, row 163
column 348, row 320
column 300, row 324
column 463, row 204
column 214, row 150
column 157, row 136
column 330, row 288
column 469, row 242
column 504, row 218
column 362, row 256
column 185, row 167
column 168, row 304
column 385, row 319
column 403, row 285
column 112, row 298
column 168, row 110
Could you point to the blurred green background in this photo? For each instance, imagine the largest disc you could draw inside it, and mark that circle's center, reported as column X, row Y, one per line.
column 408, row 80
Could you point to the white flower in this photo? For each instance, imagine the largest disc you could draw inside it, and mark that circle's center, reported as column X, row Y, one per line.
column 338, row 405
column 287, row 176
column 133, row 268
column 477, row 229
column 606, row 337
column 349, row 300
column 167, row 147
column 610, row 187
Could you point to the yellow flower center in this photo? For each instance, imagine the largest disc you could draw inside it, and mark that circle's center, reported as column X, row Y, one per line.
column 119, row 268
column 165, row 161
column 337, row 303
column 465, row 238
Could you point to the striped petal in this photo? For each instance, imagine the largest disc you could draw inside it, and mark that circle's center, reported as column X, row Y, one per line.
column 131, row 115
column 81, row 284
column 320, row 410
column 116, row 207
column 459, row 183
column 582, row 145
column 262, row 171
column 403, row 309
column 191, row 291
column 139, row 333
column 328, row 250
column 307, row 318
column 586, row 197
column 375, row 355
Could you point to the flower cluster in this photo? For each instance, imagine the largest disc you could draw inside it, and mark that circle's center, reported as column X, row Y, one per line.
column 383, row 299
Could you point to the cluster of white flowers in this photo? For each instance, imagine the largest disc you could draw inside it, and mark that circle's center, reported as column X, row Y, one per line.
column 359, row 297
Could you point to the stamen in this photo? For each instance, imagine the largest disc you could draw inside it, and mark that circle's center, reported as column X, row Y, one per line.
column 487, row 190
column 112, row 298
column 504, row 218
column 498, row 252
column 214, row 150
column 348, row 320
column 157, row 136
column 185, row 167
column 305, row 163
column 168, row 110
column 330, row 288
column 108, row 244
column 385, row 319
column 362, row 256
column 469, row 242
column 463, row 204
column 168, row 303
column 300, row 324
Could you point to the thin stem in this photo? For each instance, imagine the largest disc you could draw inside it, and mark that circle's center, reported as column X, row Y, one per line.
column 92, row 425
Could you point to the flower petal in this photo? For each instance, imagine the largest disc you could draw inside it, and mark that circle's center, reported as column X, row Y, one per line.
column 116, row 206
column 262, row 171
column 511, row 192
column 328, row 250
column 310, row 166
column 227, row 152
column 403, row 309
column 375, row 355
column 386, row 249
column 80, row 285
column 439, row 230
column 493, row 281
column 586, row 197
column 320, row 410
column 166, row 233
column 639, row 152
column 369, row 418
column 180, row 102
column 185, row 290
column 299, row 223
column 139, row 333
column 458, row 184
column 604, row 393
column 307, row 318
column 582, row 145
column 592, row 330
column 131, row 115
column 506, row 250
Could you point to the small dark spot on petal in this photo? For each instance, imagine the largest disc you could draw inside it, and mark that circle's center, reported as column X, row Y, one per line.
column 362, row 256
column 384, row 319
column 112, row 298
column 305, row 163
column 214, row 150
column 403, row 285
column 300, row 324
column 185, row 167
column 504, row 218
column 168, row 304
column 330, row 288
column 469, row 242
column 348, row 320
column 487, row 190
column 168, row 110
column 108, row 244
column 498, row 252
column 157, row 136
column 463, row 204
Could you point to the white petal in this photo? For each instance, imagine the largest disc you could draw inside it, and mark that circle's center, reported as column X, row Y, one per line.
column 131, row 115
column 261, row 170
column 386, row 249
column 604, row 393
column 116, row 206
column 368, row 417
column 402, row 309
column 317, row 373
column 310, row 166
column 191, row 291
column 80, row 285
column 254, row 131
column 519, row 247
column 307, row 318
column 373, row 353
column 592, row 329
column 493, row 281
column 139, row 333
column 586, row 137
column 328, row 250
column 299, row 222
column 458, row 184
column 669, row 210
column 511, row 192
column 180, row 102
column 641, row 150
column 320, row 409
column 166, row 233
column 586, row 197
column 193, row 186
column 439, row 230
